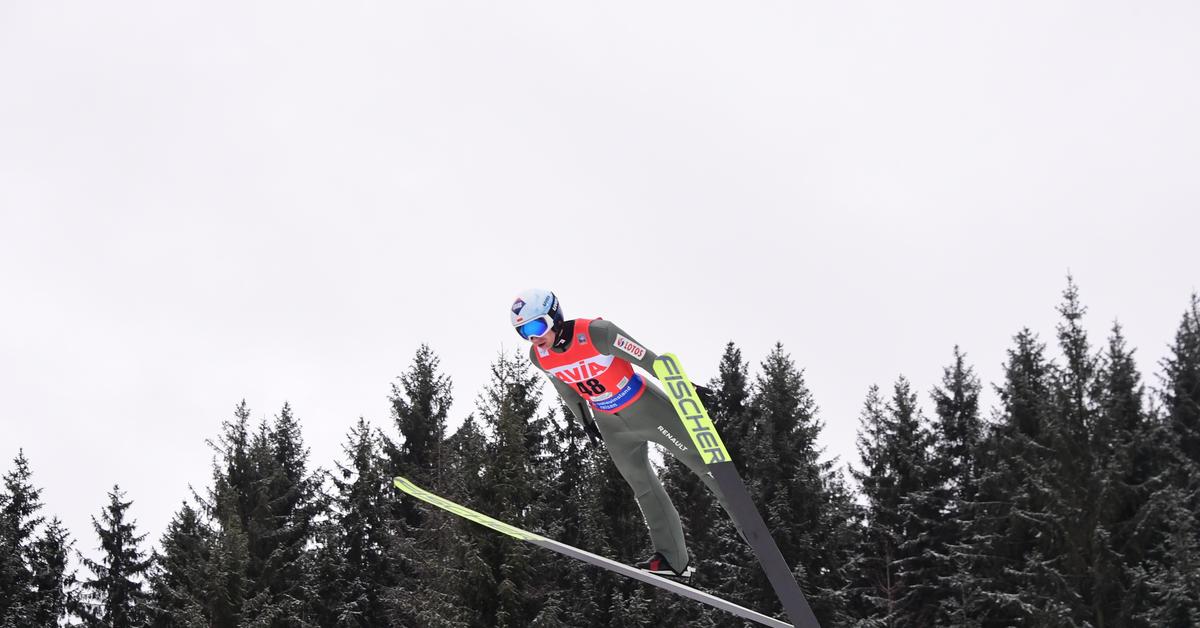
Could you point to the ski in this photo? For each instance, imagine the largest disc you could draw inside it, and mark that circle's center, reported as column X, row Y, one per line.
column 745, row 515
column 593, row 559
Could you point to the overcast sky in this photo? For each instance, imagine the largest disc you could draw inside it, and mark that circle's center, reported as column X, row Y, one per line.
column 279, row 201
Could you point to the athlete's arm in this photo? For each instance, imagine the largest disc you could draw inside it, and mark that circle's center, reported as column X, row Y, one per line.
column 571, row 397
column 612, row 340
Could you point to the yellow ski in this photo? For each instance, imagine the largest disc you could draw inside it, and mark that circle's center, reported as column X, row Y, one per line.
column 587, row 557
column 704, row 435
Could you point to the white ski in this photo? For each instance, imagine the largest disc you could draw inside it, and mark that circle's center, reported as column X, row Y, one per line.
column 587, row 557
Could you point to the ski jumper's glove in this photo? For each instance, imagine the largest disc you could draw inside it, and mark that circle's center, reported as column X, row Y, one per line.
column 589, row 427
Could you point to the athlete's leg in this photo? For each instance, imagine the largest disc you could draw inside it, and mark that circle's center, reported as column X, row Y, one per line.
column 655, row 419
column 630, row 454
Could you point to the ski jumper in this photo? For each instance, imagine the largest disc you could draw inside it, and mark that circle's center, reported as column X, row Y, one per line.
column 594, row 373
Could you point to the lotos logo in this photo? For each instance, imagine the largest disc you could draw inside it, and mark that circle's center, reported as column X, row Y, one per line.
column 517, row 305
column 630, row 347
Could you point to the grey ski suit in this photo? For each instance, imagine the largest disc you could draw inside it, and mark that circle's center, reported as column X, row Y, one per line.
column 627, row 434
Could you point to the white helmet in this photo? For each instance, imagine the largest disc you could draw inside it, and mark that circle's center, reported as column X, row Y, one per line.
column 534, row 312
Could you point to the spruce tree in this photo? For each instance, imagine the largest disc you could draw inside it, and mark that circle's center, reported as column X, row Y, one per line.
column 509, row 407
column 919, row 510
column 231, row 583
column 732, row 412
column 586, row 504
column 20, row 504
column 1070, row 544
column 420, row 404
column 620, row 533
column 181, row 579
column 795, row 490
column 1170, row 573
column 1170, row 577
column 901, row 518
column 418, row 561
column 467, row 454
column 335, row 600
column 357, row 537
column 1181, row 391
column 37, row 587
column 1009, row 514
column 495, row 472
column 551, row 614
column 1126, row 449
column 264, row 501
column 875, row 589
column 629, row 610
column 957, row 431
column 730, row 563
column 958, row 427
column 561, row 514
column 54, row 582
column 115, row 594
column 473, row 587
column 228, row 507
column 712, row 537
column 292, row 510
column 464, row 580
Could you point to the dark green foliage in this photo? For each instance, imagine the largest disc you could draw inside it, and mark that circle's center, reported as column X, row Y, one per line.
column 53, row 579
column 181, row 581
column 1181, row 387
column 20, row 503
column 954, row 481
column 563, row 512
column 798, row 494
column 732, row 411
column 115, row 597
column 1169, row 577
column 420, row 403
column 1169, row 580
column 1070, row 505
column 508, row 408
column 1075, row 505
column 352, row 568
column 1038, row 543
column 1009, row 513
column 874, row 591
column 264, row 506
column 1074, row 434
column 420, row 578
column 957, row 427
column 1126, row 446
column 713, row 540
column 54, row 583
column 37, row 586
column 898, row 579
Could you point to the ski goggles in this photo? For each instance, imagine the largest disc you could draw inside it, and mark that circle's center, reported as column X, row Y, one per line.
column 535, row 327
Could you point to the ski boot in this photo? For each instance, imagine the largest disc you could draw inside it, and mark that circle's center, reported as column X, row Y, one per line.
column 658, row 565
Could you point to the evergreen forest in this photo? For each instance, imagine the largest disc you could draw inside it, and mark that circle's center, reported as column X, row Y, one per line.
column 1073, row 502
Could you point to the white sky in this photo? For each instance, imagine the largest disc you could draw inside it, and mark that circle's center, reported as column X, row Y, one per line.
column 205, row 202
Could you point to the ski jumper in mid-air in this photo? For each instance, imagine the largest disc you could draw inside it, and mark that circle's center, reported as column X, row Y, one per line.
column 590, row 362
